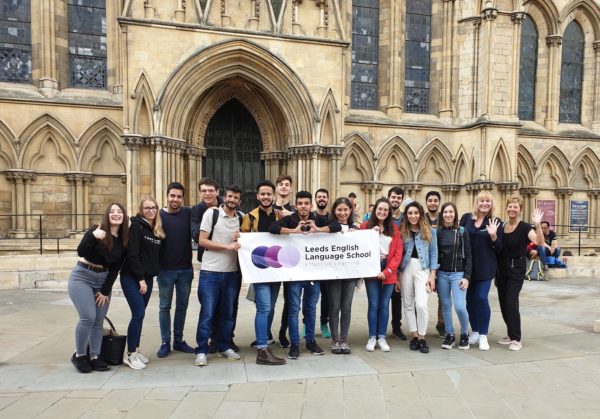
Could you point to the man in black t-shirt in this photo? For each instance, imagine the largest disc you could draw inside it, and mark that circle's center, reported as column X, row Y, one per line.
column 433, row 200
column 322, row 219
column 550, row 247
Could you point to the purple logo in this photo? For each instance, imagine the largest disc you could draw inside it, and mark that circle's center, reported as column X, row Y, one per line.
column 264, row 257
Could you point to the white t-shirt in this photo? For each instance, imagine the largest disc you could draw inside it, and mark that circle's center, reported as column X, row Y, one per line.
column 384, row 245
column 220, row 260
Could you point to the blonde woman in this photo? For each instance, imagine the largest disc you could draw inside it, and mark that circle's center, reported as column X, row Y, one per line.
column 419, row 264
column 138, row 272
column 486, row 243
column 512, row 264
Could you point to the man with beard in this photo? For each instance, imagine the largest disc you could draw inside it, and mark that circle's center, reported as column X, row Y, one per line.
column 220, row 280
column 302, row 222
column 396, row 195
column 176, row 272
column 432, row 201
column 322, row 219
column 259, row 220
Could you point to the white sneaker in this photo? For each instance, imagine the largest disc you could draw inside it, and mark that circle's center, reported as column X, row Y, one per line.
column 142, row 357
column 231, row 355
column 383, row 345
column 483, row 343
column 133, row 361
column 515, row 346
column 201, row 360
column 371, row 345
column 506, row 340
column 474, row 338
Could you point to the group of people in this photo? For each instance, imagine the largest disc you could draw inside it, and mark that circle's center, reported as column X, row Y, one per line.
column 422, row 250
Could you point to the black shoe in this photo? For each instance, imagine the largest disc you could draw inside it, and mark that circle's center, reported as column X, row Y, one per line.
column 464, row 341
column 99, row 364
column 313, row 348
column 212, row 346
column 449, row 342
column 294, row 352
column 414, row 344
column 164, row 349
column 82, row 363
column 235, row 348
column 423, row 347
column 441, row 329
column 183, row 347
column 398, row 334
column 283, row 341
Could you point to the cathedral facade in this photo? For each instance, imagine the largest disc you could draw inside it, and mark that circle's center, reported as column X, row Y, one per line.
column 108, row 100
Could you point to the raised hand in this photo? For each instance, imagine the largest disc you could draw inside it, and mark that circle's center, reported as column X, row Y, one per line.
column 98, row 233
column 536, row 216
column 492, row 228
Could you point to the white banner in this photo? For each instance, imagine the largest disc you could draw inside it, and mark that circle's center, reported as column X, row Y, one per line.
column 266, row 257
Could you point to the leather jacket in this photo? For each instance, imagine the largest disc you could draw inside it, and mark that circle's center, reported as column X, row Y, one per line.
column 454, row 251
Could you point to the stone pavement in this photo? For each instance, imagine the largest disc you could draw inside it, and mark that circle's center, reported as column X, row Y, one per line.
column 556, row 374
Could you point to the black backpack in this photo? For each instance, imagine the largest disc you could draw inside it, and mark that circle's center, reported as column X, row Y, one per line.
column 201, row 249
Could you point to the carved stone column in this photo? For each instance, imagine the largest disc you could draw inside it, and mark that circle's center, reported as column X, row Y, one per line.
column 48, row 82
column 411, row 189
column 517, row 18
column 451, row 191
column 488, row 16
column 323, row 18
column 479, row 185
column 225, row 18
column 255, row 15
column 194, row 165
column 563, row 196
column 79, row 208
column 335, row 154
column 446, row 111
column 21, row 220
column 396, row 68
column 372, row 191
column 596, row 109
column 296, row 26
column 507, row 189
column 148, row 9
column 180, row 11
column 594, row 230
column 554, row 43
column 529, row 193
column 132, row 145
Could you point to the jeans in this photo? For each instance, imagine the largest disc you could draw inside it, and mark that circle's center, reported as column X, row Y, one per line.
column 215, row 325
column 341, row 293
column 137, row 304
column 450, row 293
column 309, row 308
column 478, row 306
column 83, row 286
column 378, row 313
column 265, row 297
column 181, row 281
column 510, row 282
column 543, row 252
column 216, row 289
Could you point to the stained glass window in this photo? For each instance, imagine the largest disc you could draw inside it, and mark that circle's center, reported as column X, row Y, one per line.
column 87, row 43
column 417, row 54
column 15, row 41
column 365, row 53
column 527, row 69
column 571, row 75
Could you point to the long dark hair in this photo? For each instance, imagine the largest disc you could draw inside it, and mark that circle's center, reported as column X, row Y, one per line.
column 107, row 242
column 424, row 226
column 441, row 216
column 388, row 223
column 338, row 202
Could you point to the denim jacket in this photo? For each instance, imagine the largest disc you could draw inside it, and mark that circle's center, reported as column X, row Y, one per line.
column 428, row 252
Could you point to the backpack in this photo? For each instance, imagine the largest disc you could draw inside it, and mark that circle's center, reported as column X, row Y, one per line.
column 535, row 271
column 215, row 218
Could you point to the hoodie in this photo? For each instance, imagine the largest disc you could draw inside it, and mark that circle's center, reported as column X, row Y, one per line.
column 143, row 252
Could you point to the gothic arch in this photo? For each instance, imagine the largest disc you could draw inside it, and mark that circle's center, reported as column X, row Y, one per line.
column 36, row 136
column 358, row 149
column 262, row 71
column 440, row 154
column 7, row 149
column 589, row 9
column 549, row 12
column 397, row 149
column 526, row 166
column 461, row 166
column 589, row 162
column 500, row 164
column 93, row 141
column 327, row 111
column 558, row 166
column 143, row 110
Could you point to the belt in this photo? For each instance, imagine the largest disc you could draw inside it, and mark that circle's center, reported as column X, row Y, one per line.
column 90, row 267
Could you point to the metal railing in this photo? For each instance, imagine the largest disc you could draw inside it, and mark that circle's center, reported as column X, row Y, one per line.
column 572, row 229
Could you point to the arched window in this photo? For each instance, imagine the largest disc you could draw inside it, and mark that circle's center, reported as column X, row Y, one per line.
column 571, row 75
column 365, row 53
column 87, row 43
column 15, row 41
column 527, row 69
column 417, row 54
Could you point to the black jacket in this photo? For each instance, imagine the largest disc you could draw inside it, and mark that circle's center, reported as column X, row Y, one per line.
column 454, row 251
column 292, row 221
column 198, row 211
column 143, row 253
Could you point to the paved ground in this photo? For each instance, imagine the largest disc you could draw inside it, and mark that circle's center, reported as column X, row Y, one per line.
column 556, row 374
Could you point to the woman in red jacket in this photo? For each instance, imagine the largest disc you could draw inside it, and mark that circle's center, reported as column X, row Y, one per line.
column 381, row 287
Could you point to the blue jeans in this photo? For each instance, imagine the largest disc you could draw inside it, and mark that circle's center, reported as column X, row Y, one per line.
column 265, row 298
column 309, row 308
column 378, row 313
column 137, row 304
column 216, row 289
column 450, row 293
column 181, row 281
column 478, row 306
column 544, row 253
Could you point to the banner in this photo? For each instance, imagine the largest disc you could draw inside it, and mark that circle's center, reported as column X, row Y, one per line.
column 266, row 257
column 549, row 208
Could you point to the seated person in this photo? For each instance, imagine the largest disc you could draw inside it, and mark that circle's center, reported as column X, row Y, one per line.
column 550, row 247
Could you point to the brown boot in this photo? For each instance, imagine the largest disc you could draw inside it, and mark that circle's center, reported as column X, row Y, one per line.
column 265, row 357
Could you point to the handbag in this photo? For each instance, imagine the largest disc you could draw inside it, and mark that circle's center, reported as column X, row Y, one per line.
column 113, row 345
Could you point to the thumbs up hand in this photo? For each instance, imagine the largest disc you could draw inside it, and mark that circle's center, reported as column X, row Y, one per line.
column 99, row 234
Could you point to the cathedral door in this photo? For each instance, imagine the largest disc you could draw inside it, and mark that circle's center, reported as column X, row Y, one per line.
column 233, row 146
